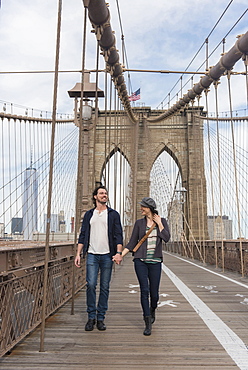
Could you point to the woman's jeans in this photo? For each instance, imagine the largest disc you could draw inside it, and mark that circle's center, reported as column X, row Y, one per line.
column 94, row 264
column 149, row 275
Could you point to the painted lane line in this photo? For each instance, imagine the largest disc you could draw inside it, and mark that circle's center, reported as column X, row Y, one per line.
column 133, row 286
column 212, row 272
column 168, row 303
column 233, row 345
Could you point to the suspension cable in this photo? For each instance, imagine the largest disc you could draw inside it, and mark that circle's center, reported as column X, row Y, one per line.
column 211, row 180
column 211, row 52
column 235, row 177
column 45, row 283
column 219, row 174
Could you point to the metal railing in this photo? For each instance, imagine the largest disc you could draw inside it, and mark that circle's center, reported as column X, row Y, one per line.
column 21, row 295
column 223, row 254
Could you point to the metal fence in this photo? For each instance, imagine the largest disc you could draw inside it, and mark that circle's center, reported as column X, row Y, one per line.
column 229, row 255
column 21, row 296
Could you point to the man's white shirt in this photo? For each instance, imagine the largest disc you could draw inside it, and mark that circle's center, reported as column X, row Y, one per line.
column 99, row 243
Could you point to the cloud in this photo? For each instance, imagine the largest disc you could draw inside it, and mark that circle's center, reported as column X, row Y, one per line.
column 164, row 35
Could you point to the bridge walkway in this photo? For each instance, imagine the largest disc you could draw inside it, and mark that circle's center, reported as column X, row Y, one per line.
column 201, row 324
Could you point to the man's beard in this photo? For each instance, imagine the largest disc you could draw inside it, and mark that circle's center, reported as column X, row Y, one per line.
column 103, row 201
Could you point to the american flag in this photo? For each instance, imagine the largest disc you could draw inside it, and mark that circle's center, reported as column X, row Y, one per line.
column 135, row 95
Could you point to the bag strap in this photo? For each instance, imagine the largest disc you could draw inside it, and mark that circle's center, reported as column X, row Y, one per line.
column 144, row 238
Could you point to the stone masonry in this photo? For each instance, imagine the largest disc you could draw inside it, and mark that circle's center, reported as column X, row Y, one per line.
column 141, row 143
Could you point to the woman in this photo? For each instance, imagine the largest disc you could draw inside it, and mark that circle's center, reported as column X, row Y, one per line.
column 148, row 258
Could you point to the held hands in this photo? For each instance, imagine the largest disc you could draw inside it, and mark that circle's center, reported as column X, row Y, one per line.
column 117, row 258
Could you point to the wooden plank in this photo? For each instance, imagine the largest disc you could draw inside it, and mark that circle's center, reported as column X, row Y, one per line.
column 179, row 340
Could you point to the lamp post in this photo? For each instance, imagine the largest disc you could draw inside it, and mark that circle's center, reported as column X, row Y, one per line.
column 180, row 199
column 90, row 90
column 86, row 122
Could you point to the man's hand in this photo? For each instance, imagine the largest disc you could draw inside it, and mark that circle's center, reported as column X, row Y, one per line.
column 77, row 261
column 117, row 258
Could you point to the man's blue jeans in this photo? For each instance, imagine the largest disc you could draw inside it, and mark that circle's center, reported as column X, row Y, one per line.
column 149, row 275
column 96, row 263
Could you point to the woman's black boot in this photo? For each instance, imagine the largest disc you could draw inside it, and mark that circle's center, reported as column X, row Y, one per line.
column 152, row 310
column 148, row 328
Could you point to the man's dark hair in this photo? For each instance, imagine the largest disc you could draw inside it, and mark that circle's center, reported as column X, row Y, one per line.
column 96, row 191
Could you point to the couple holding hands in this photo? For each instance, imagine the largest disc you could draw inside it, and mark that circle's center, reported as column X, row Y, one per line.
column 97, row 241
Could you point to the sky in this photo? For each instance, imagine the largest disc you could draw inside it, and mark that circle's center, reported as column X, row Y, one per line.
column 164, row 35
column 159, row 35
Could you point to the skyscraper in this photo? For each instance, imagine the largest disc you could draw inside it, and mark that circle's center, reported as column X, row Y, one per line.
column 16, row 225
column 220, row 227
column 30, row 203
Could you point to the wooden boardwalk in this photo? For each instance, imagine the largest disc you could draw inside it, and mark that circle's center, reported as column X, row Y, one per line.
column 187, row 333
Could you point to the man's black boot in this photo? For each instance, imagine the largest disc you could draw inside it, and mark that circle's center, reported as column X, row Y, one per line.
column 152, row 310
column 90, row 325
column 100, row 325
column 148, row 328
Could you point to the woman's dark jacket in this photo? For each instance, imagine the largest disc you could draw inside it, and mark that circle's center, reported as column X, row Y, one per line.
column 115, row 235
column 139, row 230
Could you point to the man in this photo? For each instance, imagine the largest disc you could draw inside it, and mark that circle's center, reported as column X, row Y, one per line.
column 100, row 238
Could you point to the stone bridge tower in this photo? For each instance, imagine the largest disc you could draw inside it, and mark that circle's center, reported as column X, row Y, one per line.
column 180, row 135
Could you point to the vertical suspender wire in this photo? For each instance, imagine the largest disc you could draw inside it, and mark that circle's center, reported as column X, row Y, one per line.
column 115, row 149
column 203, row 224
column 125, row 194
column 197, row 186
column 110, row 122
column 43, row 151
column 37, row 128
column 201, row 212
column 114, row 143
column 199, row 198
column 25, row 216
column 189, row 195
column 124, row 170
column 3, row 173
column 127, row 171
column 96, row 118
column 118, row 154
column 211, row 178
column 135, row 139
column 235, row 174
column 21, row 156
column 121, row 166
column 223, row 49
column 219, row 173
column 246, row 77
column 206, row 53
column 125, row 190
column 132, row 129
column 9, row 165
column 105, row 126
column 55, row 92
column 80, row 159
column 32, row 146
column 198, row 216
column 25, row 143
column 15, row 165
